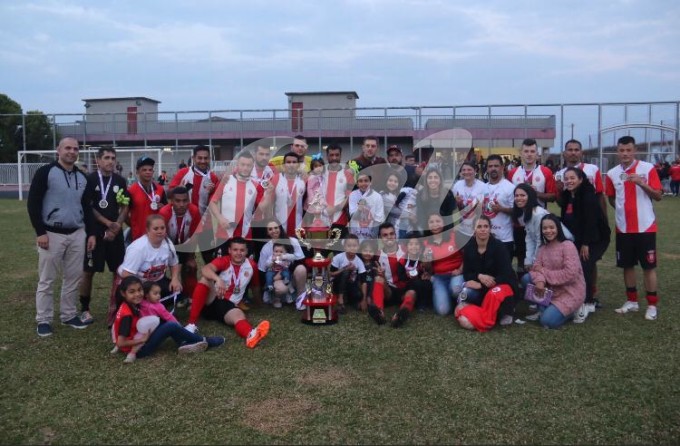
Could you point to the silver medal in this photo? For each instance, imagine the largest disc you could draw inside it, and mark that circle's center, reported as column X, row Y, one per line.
column 154, row 206
column 624, row 176
column 103, row 204
column 413, row 273
column 237, row 290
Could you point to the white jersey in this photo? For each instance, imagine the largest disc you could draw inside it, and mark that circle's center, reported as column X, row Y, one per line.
column 337, row 184
column 237, row 282
column 288, row 206
column 540, row 178
column 340, row 260
column 592, row 173
column 390, row 263
column 634, row 210
column 146, row 262
column 238, row 201
column 365, row 223
column 472, row 197
column 503, row 194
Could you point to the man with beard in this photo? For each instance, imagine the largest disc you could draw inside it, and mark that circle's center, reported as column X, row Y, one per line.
column 498, row 201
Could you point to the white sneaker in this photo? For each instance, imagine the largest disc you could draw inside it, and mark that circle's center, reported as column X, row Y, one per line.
column 628, row 307
column 651, row 313
column 277, row 303
column 266, row 297
column 290, row 298
column 299, row 301
column 591, row 307
column 534, row 317
column 506, row 320
column 581, row 314
column 192, row 328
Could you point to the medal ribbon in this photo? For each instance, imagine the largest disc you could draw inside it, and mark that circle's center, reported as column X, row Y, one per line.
column 104, row 192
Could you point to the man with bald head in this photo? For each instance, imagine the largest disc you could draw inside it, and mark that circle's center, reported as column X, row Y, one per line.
column 63, row 224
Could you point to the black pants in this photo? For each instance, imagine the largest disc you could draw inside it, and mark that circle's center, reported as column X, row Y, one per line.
column 588, row 266
column 351, row 290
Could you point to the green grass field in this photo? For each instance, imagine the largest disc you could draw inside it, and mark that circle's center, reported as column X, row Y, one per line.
column 613, row 380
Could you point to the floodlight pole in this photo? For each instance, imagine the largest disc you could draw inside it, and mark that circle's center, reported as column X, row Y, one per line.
column 21, row 183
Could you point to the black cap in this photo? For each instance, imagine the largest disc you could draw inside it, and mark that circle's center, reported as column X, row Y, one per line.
column 145, row 161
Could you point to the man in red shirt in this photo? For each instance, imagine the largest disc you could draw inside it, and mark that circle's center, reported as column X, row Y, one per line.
column 146, row 197
column 222, row 288
column 675, row 177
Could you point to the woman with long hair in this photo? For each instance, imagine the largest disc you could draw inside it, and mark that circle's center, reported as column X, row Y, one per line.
column 433, row 197
column 584, row 217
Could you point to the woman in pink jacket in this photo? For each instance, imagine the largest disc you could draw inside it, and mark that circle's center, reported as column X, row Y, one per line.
column 557, row 267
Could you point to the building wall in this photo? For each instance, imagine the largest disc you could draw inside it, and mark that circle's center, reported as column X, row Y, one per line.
column 119, row 110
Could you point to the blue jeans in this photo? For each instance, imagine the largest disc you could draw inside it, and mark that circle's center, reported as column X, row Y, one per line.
column 445, row 290
column 164, row 331
column 551, row 317
column 270, row 273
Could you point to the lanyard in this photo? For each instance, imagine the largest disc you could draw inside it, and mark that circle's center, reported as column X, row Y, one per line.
column 104, row 192
column 153, row 197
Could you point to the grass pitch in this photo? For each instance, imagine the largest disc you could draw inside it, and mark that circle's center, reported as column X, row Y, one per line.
column 611, row 380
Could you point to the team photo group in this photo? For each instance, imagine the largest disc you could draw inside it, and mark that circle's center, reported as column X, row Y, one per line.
column 401, row 239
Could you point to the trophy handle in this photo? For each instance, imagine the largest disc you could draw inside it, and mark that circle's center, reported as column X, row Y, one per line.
column 300, row 233
column 334, row 235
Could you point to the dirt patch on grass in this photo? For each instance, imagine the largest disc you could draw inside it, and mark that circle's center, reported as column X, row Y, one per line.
column 278, row 416
column 333, row 377
column 20, row 298
column 47, row 434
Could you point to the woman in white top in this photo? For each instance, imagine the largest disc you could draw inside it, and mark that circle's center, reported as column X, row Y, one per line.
column 469, row 194
column 148, row 258
column 528, row 213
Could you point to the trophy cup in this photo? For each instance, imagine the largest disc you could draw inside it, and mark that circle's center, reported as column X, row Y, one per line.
column 319, row 302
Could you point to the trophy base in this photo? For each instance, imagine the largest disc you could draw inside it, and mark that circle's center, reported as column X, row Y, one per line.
column 320, row 312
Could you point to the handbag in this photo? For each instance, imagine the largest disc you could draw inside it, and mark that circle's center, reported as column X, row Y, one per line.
column 531, row 296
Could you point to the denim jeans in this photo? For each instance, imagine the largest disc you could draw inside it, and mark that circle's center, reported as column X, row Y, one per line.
column 445, row 290
column 551, row 317
column 270, row 274
column 164, row 331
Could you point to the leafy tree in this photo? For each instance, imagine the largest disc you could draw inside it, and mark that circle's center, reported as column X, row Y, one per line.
column 10, row 129
column 38, row 131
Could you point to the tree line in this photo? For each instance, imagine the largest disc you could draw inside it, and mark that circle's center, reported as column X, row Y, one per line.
column 38, row 132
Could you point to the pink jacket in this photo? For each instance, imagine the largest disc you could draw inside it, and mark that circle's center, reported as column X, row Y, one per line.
column 147, row 308
column 560, row 268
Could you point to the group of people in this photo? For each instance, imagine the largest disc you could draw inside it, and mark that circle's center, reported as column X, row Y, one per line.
column 407, row 239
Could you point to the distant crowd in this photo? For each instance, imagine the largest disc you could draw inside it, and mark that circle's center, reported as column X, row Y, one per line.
column 405, row 238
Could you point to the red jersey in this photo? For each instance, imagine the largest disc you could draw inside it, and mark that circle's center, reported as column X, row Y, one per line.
column 445, row 256
column 198, row 194
column 124, row 311
column 675, row 172
column 142, row 205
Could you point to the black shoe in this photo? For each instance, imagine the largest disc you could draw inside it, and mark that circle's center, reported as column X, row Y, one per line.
column 400, row 317
column 75, row 322
column 377, row 314
column 44, row 330
column 598, row 304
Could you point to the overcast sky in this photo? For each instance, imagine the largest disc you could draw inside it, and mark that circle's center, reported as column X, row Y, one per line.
column 201, row 55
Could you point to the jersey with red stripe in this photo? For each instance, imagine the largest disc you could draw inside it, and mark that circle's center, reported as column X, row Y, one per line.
column 392, row 263
column 633, row 207
column 124, row 311
column 258, row 174
column 238, row 201
column 140, row 206
column 591, row 171
column 198, row 193
column 540, row 178
column 235, row 277
column 339, row 185
column 288, row 204
column 183, row 227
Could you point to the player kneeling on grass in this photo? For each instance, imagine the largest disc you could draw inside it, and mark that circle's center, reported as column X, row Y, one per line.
column 129, row 321
column 222, row 288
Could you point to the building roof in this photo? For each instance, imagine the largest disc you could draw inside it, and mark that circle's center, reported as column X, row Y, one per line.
column 321, row 93
column 131, row 98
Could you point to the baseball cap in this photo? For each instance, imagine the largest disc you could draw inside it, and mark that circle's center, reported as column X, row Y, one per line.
column 394, row 147
column 145, row 161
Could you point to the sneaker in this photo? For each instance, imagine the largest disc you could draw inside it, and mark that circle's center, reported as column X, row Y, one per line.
column 400, row 317
column 44, row 330
column 533, row 307
column 628, row 307
column 377, row 314
column 533, row 317
column 651, row 313
column 86, row 317
column 75, row 322
column 192, row 328
column 581, row 314
column 130, row 358
column 214, row 341
column 591, row 307
column 506, row 320
column 277, row 303
column 299, row 301
column 196, row 347
column 290, row 298
column 257, row 334
column 266, row 297
column 114, row 350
